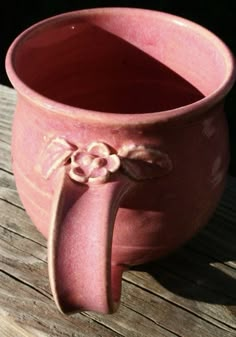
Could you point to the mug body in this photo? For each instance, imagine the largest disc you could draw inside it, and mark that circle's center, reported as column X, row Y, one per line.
column 157, row 215
column 125, row 78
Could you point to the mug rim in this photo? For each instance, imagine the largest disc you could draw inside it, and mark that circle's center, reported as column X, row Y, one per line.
column 180, row 113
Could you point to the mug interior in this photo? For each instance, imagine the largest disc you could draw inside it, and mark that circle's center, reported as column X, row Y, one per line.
column 120, row 61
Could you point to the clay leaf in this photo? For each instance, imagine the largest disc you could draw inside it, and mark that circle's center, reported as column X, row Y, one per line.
column 54, row 155
column 143, row 162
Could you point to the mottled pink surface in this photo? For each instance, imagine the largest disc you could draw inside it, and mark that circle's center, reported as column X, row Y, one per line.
column 118, row 77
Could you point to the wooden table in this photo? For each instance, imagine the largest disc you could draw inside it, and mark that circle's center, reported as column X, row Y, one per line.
column 192, row 293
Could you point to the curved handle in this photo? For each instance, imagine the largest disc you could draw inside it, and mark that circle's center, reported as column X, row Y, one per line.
column 80, row 242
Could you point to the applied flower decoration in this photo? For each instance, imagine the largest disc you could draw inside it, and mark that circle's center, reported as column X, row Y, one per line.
column 94, row 163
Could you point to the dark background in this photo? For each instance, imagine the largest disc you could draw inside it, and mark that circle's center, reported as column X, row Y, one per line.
column 218, row 16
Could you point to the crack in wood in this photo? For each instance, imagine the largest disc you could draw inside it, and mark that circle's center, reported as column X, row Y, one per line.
column 12, row 203
column 25, row 237
column 21, row 250
column 101, row 323
column 6, row 171
column 151, row 320
column 26, row 284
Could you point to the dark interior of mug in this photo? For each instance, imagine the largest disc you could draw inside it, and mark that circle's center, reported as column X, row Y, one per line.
column 120, row 62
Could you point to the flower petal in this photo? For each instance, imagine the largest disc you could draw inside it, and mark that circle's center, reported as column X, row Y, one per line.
column 126, row 149
column 76, row 157
column 99, row 171
column 113, row 163
column 78, row 175
column 145, row 153
column 144, row 161
column 98, row 176
column 98, row 149
column 56, row 153
column 140, row 152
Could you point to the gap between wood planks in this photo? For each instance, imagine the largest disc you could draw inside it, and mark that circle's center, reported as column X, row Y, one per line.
column 6, row 171
column 27, row 284
column 151, row 320
column 21, row 234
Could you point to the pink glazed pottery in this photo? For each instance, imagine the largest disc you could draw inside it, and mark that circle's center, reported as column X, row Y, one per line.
column 120, row 144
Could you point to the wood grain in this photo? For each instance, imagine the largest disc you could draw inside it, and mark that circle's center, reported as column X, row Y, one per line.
column 190, row 293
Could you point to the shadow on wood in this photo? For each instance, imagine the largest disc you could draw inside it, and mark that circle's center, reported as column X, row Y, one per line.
column 202, row 270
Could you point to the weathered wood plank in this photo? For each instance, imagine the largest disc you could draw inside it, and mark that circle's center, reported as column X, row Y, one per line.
column 8, row 189
column 16, row 220
column 36, row 314
column 188, row 295
column 165, row 314
column 7, row 106
column 7, row 100
column 5, row 158
column 8, row 328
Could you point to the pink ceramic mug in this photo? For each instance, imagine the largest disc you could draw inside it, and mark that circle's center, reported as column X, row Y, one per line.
column 120, row 145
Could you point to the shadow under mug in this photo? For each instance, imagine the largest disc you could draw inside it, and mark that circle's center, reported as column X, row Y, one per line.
column 120, row 143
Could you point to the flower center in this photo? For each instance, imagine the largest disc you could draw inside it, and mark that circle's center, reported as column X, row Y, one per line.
column 99, row 162
column 86, row 160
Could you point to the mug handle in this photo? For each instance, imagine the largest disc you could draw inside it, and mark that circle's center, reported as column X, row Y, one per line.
column 81, row 274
